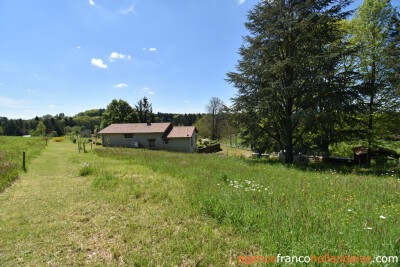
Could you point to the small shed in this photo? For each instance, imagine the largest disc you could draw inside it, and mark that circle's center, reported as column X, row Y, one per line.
column 380, row 154
column 360, row 155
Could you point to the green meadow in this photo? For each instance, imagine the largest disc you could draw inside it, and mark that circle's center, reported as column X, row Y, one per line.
column 11, row 149
column 135, row 207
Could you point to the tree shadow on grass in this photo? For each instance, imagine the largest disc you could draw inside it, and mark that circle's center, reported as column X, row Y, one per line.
column 390, row 170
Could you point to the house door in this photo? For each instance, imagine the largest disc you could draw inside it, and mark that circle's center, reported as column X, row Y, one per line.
column 152, row 143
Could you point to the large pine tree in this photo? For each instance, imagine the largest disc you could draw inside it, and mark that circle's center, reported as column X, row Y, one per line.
column 283, row 61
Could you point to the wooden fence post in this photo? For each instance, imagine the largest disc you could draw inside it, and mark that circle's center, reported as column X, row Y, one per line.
column 23, row 162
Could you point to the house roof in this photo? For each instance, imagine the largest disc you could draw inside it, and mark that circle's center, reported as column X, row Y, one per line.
column 182, row 132
column 127, row 128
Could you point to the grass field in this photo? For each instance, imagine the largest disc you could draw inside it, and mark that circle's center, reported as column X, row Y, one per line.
column 152, row 208
column 232, row 151
column 11, row 149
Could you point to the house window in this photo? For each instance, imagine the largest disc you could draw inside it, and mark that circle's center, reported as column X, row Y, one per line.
column 165, row 141
column 128, row 135
column 152, row 143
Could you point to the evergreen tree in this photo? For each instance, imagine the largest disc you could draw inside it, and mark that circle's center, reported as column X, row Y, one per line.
column 144, row 110
column 282, row 64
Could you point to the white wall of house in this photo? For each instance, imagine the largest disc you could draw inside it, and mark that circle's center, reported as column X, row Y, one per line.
column 178, row 144
column 182, row 144
column 173, row 144
column 126, row 141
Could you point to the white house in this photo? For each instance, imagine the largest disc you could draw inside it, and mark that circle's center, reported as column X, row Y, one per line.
column 162, row 136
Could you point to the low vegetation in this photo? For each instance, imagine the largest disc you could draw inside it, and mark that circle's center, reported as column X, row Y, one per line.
column 136, row 207
column 283, row 209
column 11, row 156
column 208, row 146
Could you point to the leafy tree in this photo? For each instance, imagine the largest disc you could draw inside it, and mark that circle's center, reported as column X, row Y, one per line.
column 204, row 126
column 334, row 115
column 215, row 109
column 41, row 129
column 118, row 111
column 144, row 110
column 282, row 59
column 375, row 28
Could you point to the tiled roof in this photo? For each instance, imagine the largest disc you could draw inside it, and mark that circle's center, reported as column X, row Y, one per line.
column 126, row 128
column 182, row 132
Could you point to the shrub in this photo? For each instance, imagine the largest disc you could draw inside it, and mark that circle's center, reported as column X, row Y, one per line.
column 86, row 169
column 58, row 139
column 208, row 146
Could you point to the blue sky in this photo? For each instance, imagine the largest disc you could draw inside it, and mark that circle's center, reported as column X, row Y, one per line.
column 72, row 55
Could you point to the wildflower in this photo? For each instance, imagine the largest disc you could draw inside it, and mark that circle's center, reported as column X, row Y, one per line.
column 382, row 217
column 349, row 210
column 368, row 228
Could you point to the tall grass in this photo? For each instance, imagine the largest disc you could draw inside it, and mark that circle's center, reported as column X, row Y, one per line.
column 11, row 149
column 283, row 209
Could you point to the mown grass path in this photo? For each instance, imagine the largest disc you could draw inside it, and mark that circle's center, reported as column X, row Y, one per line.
column 33, row 216
column 53, row 217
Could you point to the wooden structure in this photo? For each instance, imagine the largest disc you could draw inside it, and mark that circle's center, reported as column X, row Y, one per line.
column 362, row 155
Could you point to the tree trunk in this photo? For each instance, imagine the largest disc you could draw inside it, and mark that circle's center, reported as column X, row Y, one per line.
column 371, row 110
column 325, row 150
column 288, row 135
column 289, row 153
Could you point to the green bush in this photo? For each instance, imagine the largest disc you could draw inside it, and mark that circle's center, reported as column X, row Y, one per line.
column 58, row 139
column 86, row 169
column 208, row 146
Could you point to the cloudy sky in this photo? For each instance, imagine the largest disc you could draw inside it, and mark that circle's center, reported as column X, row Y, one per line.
column 72, row 55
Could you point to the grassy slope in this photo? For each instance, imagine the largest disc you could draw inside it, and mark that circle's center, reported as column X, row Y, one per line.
column 232, row 151
column 11, row 149
column 51, row 216
column 142, row 207
column 284, row 209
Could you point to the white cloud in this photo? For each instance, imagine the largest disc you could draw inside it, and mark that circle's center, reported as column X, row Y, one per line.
column 91, row 2
column 78, row 47
column 115, row 55
column 52, row 106
column 241, row 2
column 98, row 63
column 130, row 9
column 10, row 103
column 147, row 91
column 120, row 85
column 152, row 49
column 187, row 101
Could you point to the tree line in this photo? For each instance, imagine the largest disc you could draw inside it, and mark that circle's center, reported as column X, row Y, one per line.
column 118, row 111
column 308, row 77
